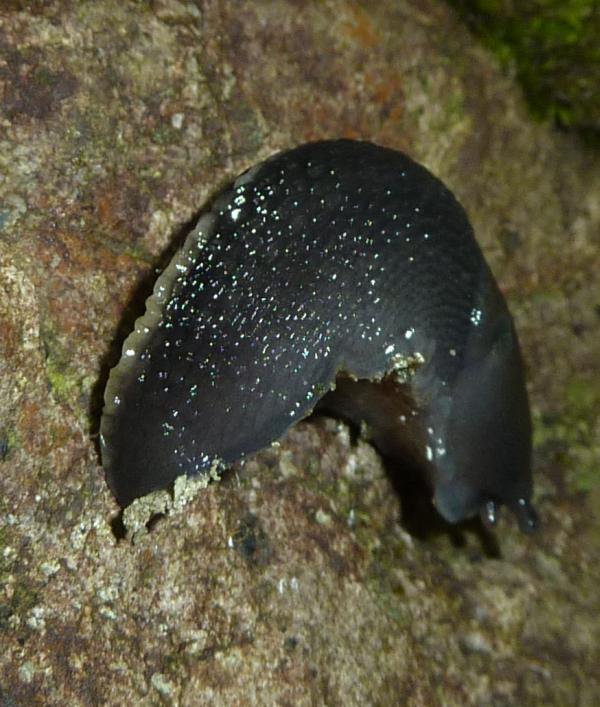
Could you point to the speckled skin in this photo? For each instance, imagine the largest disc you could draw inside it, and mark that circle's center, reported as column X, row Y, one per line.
column 337, row 256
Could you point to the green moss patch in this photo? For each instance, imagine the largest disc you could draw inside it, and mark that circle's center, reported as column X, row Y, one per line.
column 554, row 46
column 576, row 434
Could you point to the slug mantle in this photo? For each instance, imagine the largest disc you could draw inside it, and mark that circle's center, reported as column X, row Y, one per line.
column 338, row 274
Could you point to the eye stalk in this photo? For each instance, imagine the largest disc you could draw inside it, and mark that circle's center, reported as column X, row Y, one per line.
column 526, row 515
column 489, row 512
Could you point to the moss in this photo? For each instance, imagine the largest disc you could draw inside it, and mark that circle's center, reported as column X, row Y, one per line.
column 574, row 434
column 24, row 595
column 7, row 558
column 166, row 135
column 64, row 382
column 24, row 598
column 9, row 441
column 137, row 253
column 554, row 45
column 455, row 108
column 61, row 382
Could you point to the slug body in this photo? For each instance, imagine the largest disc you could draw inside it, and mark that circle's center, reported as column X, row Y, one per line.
column 337, row 261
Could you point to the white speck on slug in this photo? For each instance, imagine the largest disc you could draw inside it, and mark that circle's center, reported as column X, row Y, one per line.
column 476, row 316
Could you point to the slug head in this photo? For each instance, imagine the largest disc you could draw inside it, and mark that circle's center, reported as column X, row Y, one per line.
column 487, row 434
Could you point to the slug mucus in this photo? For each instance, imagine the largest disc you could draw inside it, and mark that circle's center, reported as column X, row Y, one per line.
column 342, row 275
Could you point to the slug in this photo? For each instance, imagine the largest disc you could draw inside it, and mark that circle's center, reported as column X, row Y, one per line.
column 339, row 274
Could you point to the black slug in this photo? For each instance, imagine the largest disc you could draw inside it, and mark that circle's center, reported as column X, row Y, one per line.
column 338, row 271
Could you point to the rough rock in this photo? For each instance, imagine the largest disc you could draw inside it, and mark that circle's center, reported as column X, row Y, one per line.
column 304, row 577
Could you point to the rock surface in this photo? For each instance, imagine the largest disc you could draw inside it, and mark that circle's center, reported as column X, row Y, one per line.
column 299, row 579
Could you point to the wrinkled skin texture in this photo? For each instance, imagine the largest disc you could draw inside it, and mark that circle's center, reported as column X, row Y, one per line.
column 339, row 255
